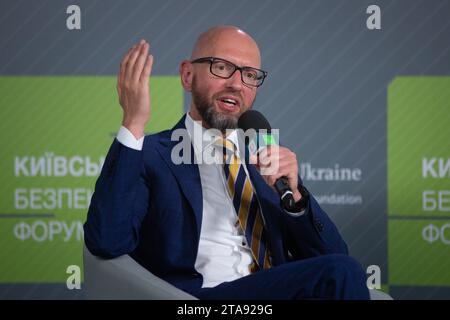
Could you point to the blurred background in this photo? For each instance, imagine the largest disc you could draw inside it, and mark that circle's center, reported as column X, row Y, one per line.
column 367, row 112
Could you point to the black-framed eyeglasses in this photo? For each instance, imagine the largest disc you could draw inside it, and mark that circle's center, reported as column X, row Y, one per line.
column 225, row 69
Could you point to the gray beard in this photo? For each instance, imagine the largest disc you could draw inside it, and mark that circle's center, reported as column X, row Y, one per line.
column 210, row 116
column 216, row 120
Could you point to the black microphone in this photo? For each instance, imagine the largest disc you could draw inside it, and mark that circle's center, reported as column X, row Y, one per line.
column 252, row 119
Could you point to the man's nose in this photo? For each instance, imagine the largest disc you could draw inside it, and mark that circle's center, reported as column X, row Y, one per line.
column 235, row 81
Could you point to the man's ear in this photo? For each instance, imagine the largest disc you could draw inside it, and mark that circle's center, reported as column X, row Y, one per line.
column 186, row 75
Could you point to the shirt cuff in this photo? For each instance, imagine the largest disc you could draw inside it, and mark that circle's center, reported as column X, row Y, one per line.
column 125, row 137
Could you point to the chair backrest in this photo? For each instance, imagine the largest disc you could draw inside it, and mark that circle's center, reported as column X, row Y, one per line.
column 124, row 278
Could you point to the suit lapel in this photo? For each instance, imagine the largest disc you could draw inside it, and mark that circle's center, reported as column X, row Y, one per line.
column 187, row 175
column 266, row 195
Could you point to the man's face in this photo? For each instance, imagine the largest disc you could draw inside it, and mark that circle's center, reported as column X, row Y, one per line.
column 215, row 108
column 220, row 101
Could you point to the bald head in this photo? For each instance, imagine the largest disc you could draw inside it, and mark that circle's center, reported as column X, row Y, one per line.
column 228, row 42
column 217, row 99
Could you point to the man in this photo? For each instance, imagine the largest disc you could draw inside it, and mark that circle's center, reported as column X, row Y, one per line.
column 214, row 230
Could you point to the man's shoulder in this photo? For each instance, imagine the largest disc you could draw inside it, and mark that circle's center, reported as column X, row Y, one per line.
column 162, row 138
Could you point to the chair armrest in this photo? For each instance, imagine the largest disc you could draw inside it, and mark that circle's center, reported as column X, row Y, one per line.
column 379, row 295
column 124, row 278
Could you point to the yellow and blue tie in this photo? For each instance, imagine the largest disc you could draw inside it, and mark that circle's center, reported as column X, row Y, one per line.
column 246, row 204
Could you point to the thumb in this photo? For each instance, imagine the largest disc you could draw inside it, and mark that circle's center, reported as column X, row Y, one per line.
column 253, row 158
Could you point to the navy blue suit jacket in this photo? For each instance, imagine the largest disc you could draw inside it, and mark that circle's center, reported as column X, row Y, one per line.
column 146, row 206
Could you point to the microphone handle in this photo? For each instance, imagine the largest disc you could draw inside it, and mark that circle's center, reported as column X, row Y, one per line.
column 286, row 195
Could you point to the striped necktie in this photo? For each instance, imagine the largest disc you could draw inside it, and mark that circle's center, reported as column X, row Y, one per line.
column 246, row 204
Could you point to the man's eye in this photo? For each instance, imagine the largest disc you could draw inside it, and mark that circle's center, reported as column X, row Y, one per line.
column 250, row 75
column 221, row 66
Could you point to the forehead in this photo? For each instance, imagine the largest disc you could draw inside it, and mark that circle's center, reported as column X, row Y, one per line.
column 234, row 47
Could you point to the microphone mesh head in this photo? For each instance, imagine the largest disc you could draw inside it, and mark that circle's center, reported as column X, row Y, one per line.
column 252, row 119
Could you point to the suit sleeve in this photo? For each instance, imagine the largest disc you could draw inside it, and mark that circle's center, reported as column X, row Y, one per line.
column 312, row 234
column 119, row 203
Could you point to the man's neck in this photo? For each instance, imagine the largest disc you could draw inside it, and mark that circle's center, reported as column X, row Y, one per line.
column 193, row 113
column 197, row 118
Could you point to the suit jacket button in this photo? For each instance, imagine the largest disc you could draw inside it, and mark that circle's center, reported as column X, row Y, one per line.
column 319, row 225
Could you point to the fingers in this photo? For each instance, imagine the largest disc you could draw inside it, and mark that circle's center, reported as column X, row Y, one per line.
column 123, row 66
column 275, row 156
column 133, row 63
column 287, row 170
column 129, row 67
column 141, row 59
column 147, row 70
column 276, row 162
column 135, row 67
column 292, row 177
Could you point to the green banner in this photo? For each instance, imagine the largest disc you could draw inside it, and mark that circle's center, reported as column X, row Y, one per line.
column 55, row 134
column 419, row 252
column 419, row 181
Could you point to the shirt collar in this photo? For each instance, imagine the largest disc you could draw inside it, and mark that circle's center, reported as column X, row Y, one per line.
column 202, row 138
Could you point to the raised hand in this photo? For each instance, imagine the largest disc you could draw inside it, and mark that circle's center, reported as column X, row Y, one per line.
column 133, row 87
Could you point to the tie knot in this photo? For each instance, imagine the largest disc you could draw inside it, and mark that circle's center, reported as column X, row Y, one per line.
column 224, row 143
column 228, row 149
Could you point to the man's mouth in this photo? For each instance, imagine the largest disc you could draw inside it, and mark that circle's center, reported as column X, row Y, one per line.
column 229, row 103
